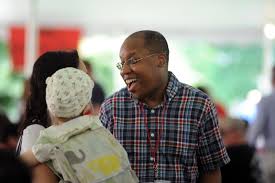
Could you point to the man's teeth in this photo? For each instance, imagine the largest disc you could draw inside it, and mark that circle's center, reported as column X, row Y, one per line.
column 128, row 81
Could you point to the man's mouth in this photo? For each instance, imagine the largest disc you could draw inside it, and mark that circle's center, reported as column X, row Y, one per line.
column 129, row 82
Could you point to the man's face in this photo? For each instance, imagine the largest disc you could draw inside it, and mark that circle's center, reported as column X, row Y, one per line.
column 141, row 77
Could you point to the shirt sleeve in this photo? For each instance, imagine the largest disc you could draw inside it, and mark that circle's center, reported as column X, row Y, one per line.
column 29, row 137
column 106, row 115
column 211, row 150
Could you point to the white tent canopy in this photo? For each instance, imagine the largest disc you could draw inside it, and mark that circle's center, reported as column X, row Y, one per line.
column 213, row 19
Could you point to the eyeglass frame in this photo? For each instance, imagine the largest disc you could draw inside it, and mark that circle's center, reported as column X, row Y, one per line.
column 131, row 61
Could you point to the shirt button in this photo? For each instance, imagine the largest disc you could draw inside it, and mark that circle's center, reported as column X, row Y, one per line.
column 152, row 111
column 151, row 159
column 152, row 134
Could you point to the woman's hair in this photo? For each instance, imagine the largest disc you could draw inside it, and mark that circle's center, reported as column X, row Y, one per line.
column 46, row 65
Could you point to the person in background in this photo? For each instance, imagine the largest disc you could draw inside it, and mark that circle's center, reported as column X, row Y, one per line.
column 169, row 129
column 264, row 125
column 77, row 147
column 13, row 170
column 244, row 166
column 98, row 95
column 8, row 134
column 36, row 114
column 221, row 111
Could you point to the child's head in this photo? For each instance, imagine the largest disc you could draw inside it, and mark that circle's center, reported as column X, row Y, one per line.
column 68, row 92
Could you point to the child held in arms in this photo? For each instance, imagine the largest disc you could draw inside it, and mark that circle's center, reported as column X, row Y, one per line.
column 77, row 147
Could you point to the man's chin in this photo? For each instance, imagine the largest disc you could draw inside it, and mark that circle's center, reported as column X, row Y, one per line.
column 135, row 95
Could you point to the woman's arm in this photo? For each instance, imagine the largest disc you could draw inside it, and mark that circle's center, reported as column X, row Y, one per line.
column 43, row 174
column 29, row 158
column 40, row 173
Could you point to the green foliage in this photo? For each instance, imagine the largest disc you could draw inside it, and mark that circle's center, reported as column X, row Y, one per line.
column 229, row 71
column 10, row 84
column 103, row 70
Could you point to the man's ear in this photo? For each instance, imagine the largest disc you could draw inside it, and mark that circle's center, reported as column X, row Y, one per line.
column 161, row 60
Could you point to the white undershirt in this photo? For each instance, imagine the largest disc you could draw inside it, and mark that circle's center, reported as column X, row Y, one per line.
column 29, row 137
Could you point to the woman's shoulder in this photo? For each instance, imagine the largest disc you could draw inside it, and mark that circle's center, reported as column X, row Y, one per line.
column 33, row 128
column 30, row 135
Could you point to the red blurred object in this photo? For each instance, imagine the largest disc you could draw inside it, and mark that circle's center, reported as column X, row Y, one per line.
column 221, row 111
column 17, row 46
column 49, row 39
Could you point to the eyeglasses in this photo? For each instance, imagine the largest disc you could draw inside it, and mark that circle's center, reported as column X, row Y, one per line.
column 130, row 62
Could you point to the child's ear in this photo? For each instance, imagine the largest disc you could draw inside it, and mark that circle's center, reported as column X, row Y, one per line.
column 88, row 110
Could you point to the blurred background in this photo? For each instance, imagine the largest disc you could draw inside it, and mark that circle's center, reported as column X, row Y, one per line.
column 223, row 45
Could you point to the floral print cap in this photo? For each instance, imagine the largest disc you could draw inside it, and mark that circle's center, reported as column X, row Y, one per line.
column 68, row 92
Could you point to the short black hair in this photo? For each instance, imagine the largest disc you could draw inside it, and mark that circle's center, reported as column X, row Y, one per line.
column 154, row 41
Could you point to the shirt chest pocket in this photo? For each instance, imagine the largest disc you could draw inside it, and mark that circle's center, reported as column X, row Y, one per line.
column 128, row 132
column 179, row 144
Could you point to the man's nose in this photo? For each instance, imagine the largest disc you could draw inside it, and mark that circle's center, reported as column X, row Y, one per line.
column 125, row 69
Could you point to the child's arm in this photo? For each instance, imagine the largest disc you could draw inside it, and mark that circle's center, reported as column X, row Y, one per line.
column 29, row 158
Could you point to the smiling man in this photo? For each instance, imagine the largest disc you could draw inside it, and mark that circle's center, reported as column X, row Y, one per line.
column 169, row 129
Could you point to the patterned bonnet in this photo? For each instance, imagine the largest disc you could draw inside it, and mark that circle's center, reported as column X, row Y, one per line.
column 68, row 92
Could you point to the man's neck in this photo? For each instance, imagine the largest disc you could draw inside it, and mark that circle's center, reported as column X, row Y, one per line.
column 156, row 97
column 153, row 102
